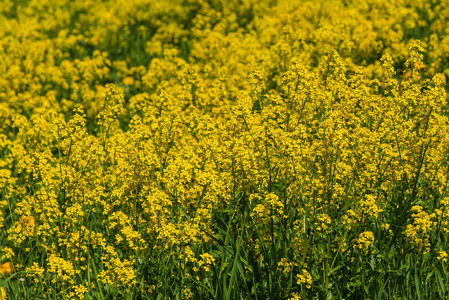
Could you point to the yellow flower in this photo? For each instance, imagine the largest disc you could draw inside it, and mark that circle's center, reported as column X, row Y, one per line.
column 3, row 294
column 305, row 278
column 295, row 296
column 8, row 253
column 365, row 240
column 442, row 255
column 128, row 81
column 6, row 268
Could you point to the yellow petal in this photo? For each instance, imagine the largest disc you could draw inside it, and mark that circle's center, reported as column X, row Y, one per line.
column 6, row 268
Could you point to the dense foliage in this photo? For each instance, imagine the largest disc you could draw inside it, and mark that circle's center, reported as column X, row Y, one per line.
column 224, row 149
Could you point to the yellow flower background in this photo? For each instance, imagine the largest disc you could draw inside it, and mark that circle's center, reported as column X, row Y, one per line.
column 212, row 149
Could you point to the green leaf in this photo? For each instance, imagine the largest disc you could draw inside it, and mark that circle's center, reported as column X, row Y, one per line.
column 418, row 289
column 336, row 269
column 440, row 281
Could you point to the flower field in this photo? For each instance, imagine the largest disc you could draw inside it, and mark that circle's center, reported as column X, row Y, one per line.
column 224, row 149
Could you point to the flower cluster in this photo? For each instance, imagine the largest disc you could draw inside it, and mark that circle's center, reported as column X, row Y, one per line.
column 224, row 149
